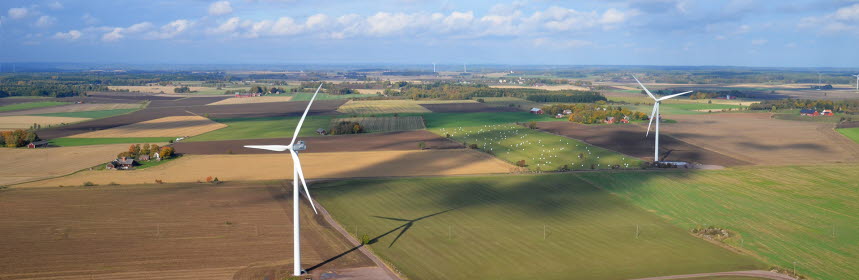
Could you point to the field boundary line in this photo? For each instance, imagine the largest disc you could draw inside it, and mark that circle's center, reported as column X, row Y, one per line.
column 354, row 242
column 747, row 273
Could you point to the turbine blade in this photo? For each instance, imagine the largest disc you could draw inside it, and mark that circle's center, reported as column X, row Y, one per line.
column 297, row 164
column 276, row 148
column 645, row 89
column 673, row 95
column 650, row 122
column 301, row 121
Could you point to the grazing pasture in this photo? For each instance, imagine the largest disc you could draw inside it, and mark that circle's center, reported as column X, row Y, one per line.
column 162, row 127
column 541, row 151
column 852, row 133
column 252, row 100
column 192, row 168
column 24, row 122
column 505, row 102
column 30, row 105
column 21, row 165
column 785, row 214
column 516, row 227
column 171, row 231
column 268, row 127
column 384, row 124
column 757, row 138
column 377, row 107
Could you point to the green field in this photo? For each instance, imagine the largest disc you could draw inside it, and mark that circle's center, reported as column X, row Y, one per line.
column 91, row 114
column 258, row 128
column 66, row 142
column 304, row 96
column 852, row 133
column 685, row 108
column 31, row 105
column 541, row 151
column 383, row 124
column 454, row 120
column 517, row 227
column 806, row 215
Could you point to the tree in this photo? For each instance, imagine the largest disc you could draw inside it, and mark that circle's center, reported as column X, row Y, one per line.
column 422, row 145
column 166, row 152
column 154, row 149
column 532, row 125
column 146, row 149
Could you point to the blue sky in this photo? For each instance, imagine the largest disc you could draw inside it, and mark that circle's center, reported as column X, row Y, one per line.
column 809, row 33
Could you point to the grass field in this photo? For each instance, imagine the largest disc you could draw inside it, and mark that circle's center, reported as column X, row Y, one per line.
column 454, row 120
column 377, row 107
column 852, row 133
column 516, row 227
column 304, row 96
column 383, row 124
column 268, row 127
column 685, row 108
column 802, row 214
column 91, row 114
column 68, row 142
column 30, row 105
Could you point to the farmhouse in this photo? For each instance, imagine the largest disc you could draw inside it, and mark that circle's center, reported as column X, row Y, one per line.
column 38, row 144
column 568, row 111
column 537, row 111
column 827, row 112
column 123, row 163
column 321, row 131
column 809, row 112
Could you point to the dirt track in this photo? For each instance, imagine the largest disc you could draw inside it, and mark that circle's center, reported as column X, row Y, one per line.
column 391, row 141
column 189, row 231
column 630, row 140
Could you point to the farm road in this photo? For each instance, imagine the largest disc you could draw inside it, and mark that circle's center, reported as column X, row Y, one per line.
column 762, row 274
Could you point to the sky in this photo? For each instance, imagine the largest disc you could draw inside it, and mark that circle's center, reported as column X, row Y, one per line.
column 801, row 33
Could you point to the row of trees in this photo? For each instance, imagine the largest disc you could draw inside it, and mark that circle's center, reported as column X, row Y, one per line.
column 182, row 89
column 575, row 97
column 345, row 127
column 593, row 114
column 17, row 138
column 136, row 150
column 46, row 89
column 843, row 106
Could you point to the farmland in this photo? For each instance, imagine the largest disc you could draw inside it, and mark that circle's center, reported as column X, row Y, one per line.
column 91, row 114
column 163, row 127
column 31, row 164
column 252, row 100
column 541, row 151
column 305, row 96
column 267, row 127
column 513, row 227
column 852, row 133
column 383, row 124
column 30, row 105
column 376, row 107
column 182, row 231
column 24, row 122
column 72, row 108
column 68, row 142
column 781, row 214
column 757, row 138
column 193, row 168
column 453, row 120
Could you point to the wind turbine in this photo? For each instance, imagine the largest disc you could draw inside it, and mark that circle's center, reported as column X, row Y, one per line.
column 857, row 82
column 297, row 174
column 655, row 114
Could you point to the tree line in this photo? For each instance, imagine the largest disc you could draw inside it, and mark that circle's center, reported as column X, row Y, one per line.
column 843, row 106
column 592, row 113
column 17, row 138
column 136, row 150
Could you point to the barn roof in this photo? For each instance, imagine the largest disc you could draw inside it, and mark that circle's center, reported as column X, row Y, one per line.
column 807, row 111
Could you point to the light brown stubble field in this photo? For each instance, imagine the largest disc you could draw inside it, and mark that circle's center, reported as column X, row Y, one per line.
column 162, row 127
column 21, row 165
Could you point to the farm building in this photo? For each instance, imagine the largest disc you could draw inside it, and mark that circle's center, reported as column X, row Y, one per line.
column 559, row 116
column 827, row 112
column 38, row 144
column 121, row 163
column 143, row 158
column 612, row 120
column 241, row 95
column 536, row 111
column 568, row 111
column 809, row 112
column 321, row 131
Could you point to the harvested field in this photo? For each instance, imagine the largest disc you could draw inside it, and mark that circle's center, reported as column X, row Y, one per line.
column 192, row 168
column 551, row 87
column 368, row 107
column 385, row 124
column 162, row 127
column 391, row 141
column 252, row 100
column 757, row 138
column 162, row 108
column 190, row 231
column 466, row 108
column 369, row 91
column 630, row 140
column 22, row 165
column 16, row 122
column 73, row 108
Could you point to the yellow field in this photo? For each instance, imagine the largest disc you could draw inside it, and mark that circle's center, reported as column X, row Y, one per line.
column 370, row 91
column 15, row 122
column 552, row 87
column 391, row 106
column 252, row 100
column 22, row 165
column 192, row 168
column 163, row 127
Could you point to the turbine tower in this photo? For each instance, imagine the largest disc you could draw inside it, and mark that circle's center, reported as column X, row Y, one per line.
column 433, row 67
column 297, row 174
column 655, row 114
column 857, row 82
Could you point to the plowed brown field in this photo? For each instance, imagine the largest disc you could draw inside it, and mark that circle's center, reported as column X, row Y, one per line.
column 163, row 127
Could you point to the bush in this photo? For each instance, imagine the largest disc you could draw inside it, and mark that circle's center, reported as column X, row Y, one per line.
column 345, row 127
column 422, row 145
column 521, row 163
column 89, row 184
column 472, row 146
column 365, row 239
column 532, row 125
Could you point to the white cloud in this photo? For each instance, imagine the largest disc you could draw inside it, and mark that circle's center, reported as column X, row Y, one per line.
column 56, row 5
column 18, row 13
column 170, row 30
column 89, row 19
column 317, row 21
column 139, row 27
column 71, row 35
column 555, row 43
column 113, row 35
column 45, row 21
column 845, row 19
column 229, row 26
column 758, row 42
column 220, row 8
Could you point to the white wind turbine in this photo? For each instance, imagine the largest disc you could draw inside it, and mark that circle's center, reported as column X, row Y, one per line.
column 857, row 82
column 297, row 174
column 655, row 115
